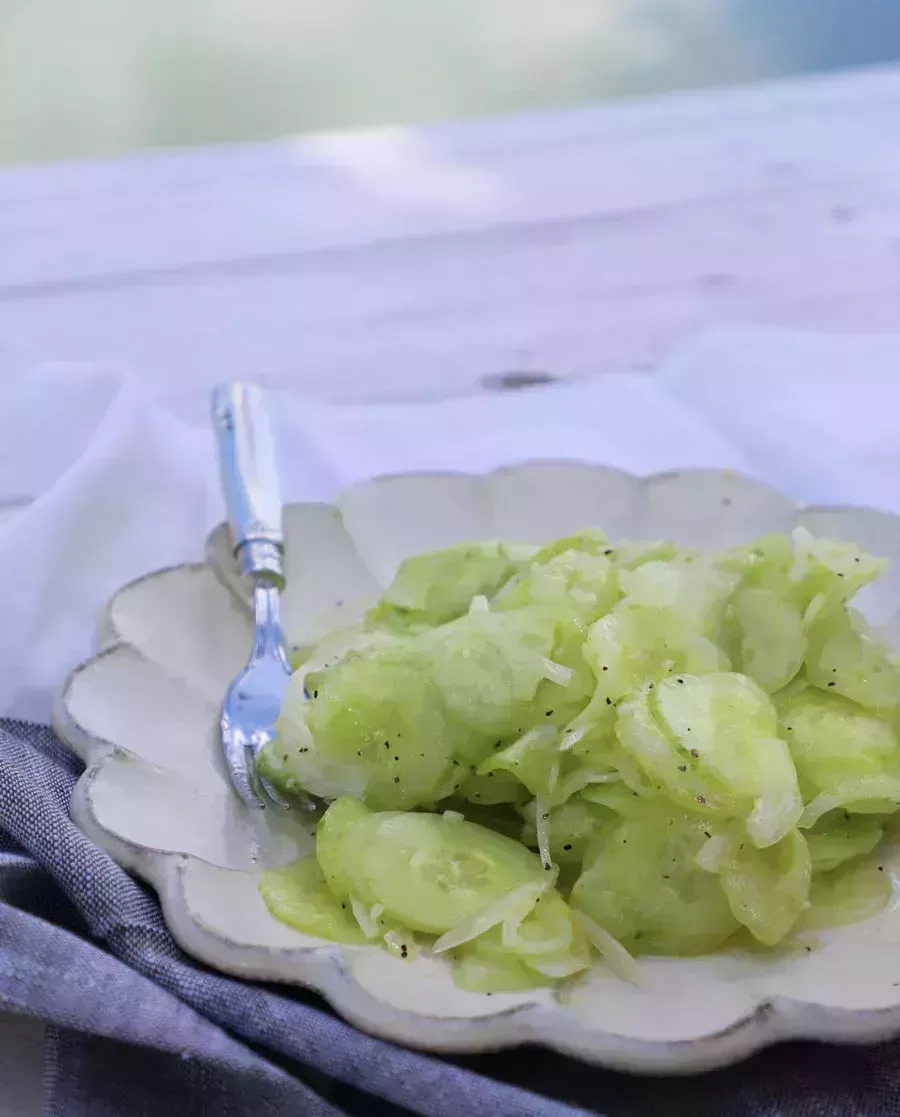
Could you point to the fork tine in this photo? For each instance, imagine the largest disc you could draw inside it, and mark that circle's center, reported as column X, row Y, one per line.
column 242, row 769
column 272, row 794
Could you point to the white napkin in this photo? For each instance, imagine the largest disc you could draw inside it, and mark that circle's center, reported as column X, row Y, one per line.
column 118, row 487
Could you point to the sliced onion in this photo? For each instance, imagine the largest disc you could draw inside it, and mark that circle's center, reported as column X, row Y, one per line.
column 577, row 781
column 542, row 826
column 396, row 940
column 556, row 672
column 613, row 953
column 552, row 775
column 363, row 917
column 571, row 737
column 712, row 853
column 514, row 905
column 555, row 944
column 558, row 969
column 453, row 816
column 850, row 791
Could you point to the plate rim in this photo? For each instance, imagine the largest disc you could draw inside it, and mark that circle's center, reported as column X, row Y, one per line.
column 772, row 1019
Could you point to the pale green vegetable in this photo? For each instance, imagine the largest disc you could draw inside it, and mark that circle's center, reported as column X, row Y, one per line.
column 298, row 895
column 437, row 587
column 637, row 644
column 373, row 726
column 849, row 894
column 571, row 827
column 767, row 561
column 838, row 837
column 866, row 795
column 767, row 636
column 709, row 743
column 694, row 588
column 617, row 797
column 833, row 740
column 533, row 760
column 643, row 886
column 630, row 554
column 767, row 889
column 590, row 541
column 656, row 722
column 844, row 655
column 492, row 788
column 431, row 873
column 487, row 667
column 494, row 975
column 571, row 581
column 546, row 941
column 331, row 840
column 833, row 569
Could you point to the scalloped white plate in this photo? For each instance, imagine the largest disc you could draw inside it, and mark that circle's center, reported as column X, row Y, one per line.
column 142, row 714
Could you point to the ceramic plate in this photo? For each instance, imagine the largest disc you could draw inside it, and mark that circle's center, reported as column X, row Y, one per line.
column 142, row 714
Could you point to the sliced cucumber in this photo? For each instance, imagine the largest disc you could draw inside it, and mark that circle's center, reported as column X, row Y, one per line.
column 331, row 837
column 500, row 975
column 430, row 873
column 849, row 894
column 298, row 895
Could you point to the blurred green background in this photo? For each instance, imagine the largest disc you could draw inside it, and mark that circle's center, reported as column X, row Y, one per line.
column 89, row 78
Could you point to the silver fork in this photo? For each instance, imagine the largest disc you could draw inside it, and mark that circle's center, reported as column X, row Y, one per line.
column 250, row 484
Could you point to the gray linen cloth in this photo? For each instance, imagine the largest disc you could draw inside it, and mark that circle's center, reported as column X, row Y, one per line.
column 135, row 1027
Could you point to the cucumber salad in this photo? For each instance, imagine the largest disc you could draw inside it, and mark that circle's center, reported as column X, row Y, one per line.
column 535, row 756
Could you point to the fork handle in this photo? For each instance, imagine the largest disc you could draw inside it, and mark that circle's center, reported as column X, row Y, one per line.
column 249, row 480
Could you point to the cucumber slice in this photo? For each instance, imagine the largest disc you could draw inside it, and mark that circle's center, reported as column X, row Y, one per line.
column 571, row 827
column 377, row 729
column 767, row 889
column 499, row 975
column 847, row 895
column 298, row 895
column 673, row 716
column 431, row 873
column 643, row 886
column 331, row 838
column 838, row 838
column 844, row 656
column 768, row 641
column 438, row 586
column 833, row 740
